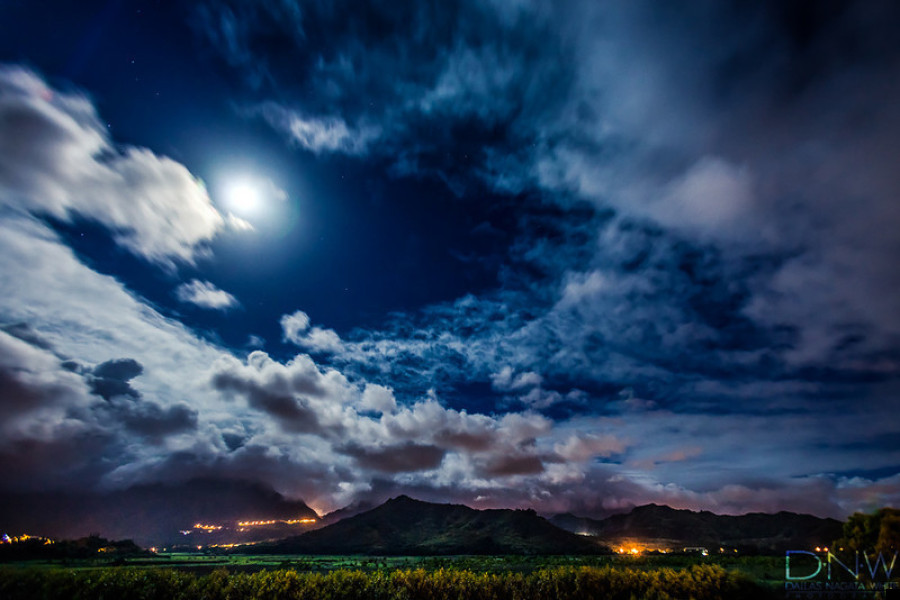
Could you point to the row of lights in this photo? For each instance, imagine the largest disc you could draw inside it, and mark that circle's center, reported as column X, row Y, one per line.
column 16, row 539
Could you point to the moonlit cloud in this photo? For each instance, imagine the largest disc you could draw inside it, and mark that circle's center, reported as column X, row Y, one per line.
column 297, row 331
column 56, row 158
column 205, row 295
column 322, row 134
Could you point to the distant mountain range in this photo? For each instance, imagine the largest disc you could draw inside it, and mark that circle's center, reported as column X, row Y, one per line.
column 406, row 526
column 154, row 515
column 661, row 527
column 206, row 512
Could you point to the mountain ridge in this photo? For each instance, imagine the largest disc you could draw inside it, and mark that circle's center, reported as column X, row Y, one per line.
column 754, row 531
column 403, row 525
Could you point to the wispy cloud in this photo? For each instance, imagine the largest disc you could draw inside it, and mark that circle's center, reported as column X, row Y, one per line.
column 319, row 134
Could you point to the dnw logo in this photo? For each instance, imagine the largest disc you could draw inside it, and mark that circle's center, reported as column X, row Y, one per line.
column 809, row 575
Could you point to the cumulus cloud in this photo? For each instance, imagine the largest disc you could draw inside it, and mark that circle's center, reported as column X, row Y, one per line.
column 429, row 444
column 378, row 398
column 57, row 159
column 297, row 330
column 205, row 295
column 297, row 395
column 294, row 325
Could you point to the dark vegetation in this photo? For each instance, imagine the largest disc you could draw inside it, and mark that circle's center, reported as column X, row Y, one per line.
column 879, row 531
column 562, row 583
column 403, row 526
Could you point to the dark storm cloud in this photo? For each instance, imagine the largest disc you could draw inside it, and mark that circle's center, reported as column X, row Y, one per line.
column 120, row 369
column 112, row 377
column 153, row 421
column 397, row 459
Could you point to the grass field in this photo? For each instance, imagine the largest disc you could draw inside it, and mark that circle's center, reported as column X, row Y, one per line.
column 758, row 567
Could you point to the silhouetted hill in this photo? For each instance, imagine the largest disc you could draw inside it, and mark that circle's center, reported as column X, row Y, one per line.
column 406, row 526
column 149, row 514
column 754, row 531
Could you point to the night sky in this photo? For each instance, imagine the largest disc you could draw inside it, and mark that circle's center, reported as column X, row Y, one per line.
column 575, row 256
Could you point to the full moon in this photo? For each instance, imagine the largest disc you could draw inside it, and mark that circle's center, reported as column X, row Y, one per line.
column 243, row 198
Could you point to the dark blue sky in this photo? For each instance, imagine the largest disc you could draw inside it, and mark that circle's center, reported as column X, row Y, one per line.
column 576, row 257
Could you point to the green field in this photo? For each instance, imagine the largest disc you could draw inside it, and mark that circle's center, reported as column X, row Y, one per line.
column 759, row 567
column 214, row 577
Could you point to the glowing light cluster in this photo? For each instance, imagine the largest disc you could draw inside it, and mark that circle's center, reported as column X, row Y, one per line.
column 273, row 521
column 207, row 528
column 16, row 539
column 256, row 523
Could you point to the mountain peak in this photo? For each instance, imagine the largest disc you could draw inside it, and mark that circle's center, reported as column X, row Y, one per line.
column 403, row 498
column 404, row 525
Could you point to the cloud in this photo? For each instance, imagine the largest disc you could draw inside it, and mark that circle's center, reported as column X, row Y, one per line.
column 98, row 401
column 151, row 420
column 57, row 159
column 297, row 395
column 581, row 448
column 403, row 458
column 378, row 398
column 51, row 408
column 294, row 324
column 505, row 380
column 318, row 135
column 238, row 224
column 205, row 295
column 296, row 330
column 35, row 381
column 111, row 378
